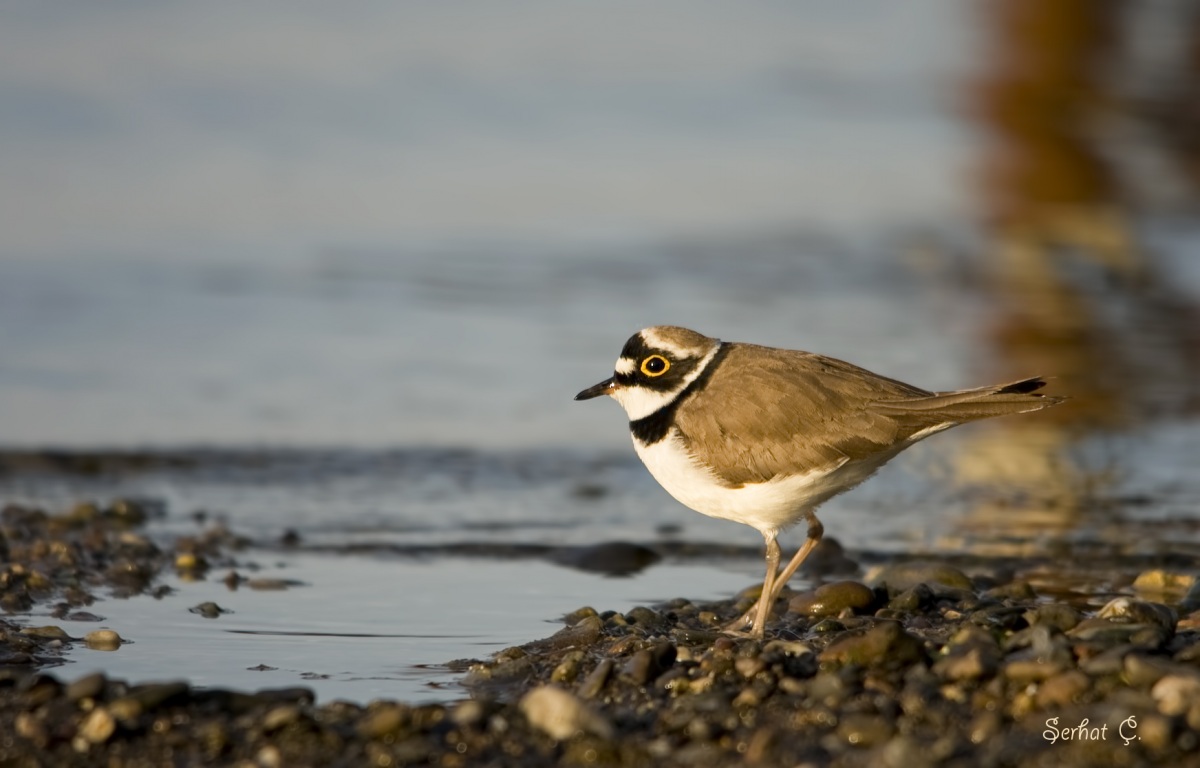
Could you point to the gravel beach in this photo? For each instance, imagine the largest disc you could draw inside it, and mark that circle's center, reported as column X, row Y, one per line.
column 914, row 662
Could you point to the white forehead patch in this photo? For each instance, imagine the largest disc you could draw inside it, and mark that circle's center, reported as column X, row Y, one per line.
column 625, row 365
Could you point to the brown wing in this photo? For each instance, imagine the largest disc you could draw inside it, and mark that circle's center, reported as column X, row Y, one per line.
column 786, row 409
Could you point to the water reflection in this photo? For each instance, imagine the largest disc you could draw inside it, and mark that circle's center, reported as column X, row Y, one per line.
column 1069, row 285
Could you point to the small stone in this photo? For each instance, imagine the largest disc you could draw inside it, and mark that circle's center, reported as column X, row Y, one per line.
column 208, row 610
column 29, row 727
column 567, row 669
column 832, row 599
column 748, row 698
column 1131, row 611
column 269, row 757
column 898, row 577
column 98, row 727
column 827, row 627
column 984, row 727
column 126, row 710
column 1143, row 670
column 685, row 636
column 562, row 715
column 383, row 720
column 272, row 585
column 1058, row 615
column 652, row 621
column 1155, row 732
column 583, row 634
column 280, row 717
column 468, row 714
column 147, row 698
column 1108, row 633
column 886, row 643
column 970, row 663
column 912, row 599
column 1190, row 621
column 749, row 666
column 1062, row 690
column 594, row 683
column 190, row 561
column 1015, row 590
column 1025, row 671
column 613, row 558
column 86, row 687
column 102, row 640
column 788, row 648
column 50, row 632
column 576, row 616
column 646, row 665
column 863, row 730
column 1174, row 694
column 1111, row 661
column 1159, row 581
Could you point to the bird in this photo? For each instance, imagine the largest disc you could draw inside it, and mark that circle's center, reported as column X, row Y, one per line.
column 763, row 436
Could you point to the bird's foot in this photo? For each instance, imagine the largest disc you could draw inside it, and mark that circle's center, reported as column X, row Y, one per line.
column 743, row 626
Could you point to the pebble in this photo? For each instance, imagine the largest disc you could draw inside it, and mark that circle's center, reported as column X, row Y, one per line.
column 1025, row 671
column 898, row 577
column 383, row 720
column 913, row 599
column 594, row 683
column 832, row 599
column 863, row 730
column 1062, row 690
column 613, row 558
column 208, row 610
column 1175, row 694
column 1159, row 581
column 648, row 664
column 50, row 632
column 884, row 643
column 1058, row 615
column 562, row 715
column 970, row 663
column 103, row 640
column 86, row 687
column 1130, row 610
column 98, row 727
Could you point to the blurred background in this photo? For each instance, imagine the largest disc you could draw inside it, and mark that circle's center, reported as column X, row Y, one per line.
column 394, row 224
column 407, row 234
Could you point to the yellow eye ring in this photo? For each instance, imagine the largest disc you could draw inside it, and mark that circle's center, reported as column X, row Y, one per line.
column 655, row 365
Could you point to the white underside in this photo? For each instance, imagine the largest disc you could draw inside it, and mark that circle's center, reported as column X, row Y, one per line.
column 769, row 507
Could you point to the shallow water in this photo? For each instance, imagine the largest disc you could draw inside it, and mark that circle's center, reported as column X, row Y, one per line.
column 372, row 290
column 358, row 628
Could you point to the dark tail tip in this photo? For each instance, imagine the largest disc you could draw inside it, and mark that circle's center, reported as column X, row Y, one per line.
column 1022, row 387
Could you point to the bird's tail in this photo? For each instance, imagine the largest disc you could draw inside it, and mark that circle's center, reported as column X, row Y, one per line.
column 971, row 404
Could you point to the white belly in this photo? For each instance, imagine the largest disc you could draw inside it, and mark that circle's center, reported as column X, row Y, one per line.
column 769, row 507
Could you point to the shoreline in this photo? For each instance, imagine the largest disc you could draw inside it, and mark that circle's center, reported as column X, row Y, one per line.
column 914, row 663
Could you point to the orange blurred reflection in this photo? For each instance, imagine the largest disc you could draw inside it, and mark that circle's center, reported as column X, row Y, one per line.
column 1073, row 292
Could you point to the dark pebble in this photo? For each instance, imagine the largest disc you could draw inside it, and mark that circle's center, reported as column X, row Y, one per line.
column 648, row 664
column 884, row 644
column 898, row 577
column 208, row 610
column 832, row 599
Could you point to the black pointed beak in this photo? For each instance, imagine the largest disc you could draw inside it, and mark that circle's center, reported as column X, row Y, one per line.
column 605, row 387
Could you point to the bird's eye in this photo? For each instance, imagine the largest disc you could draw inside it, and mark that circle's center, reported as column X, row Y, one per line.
column 655, row 365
